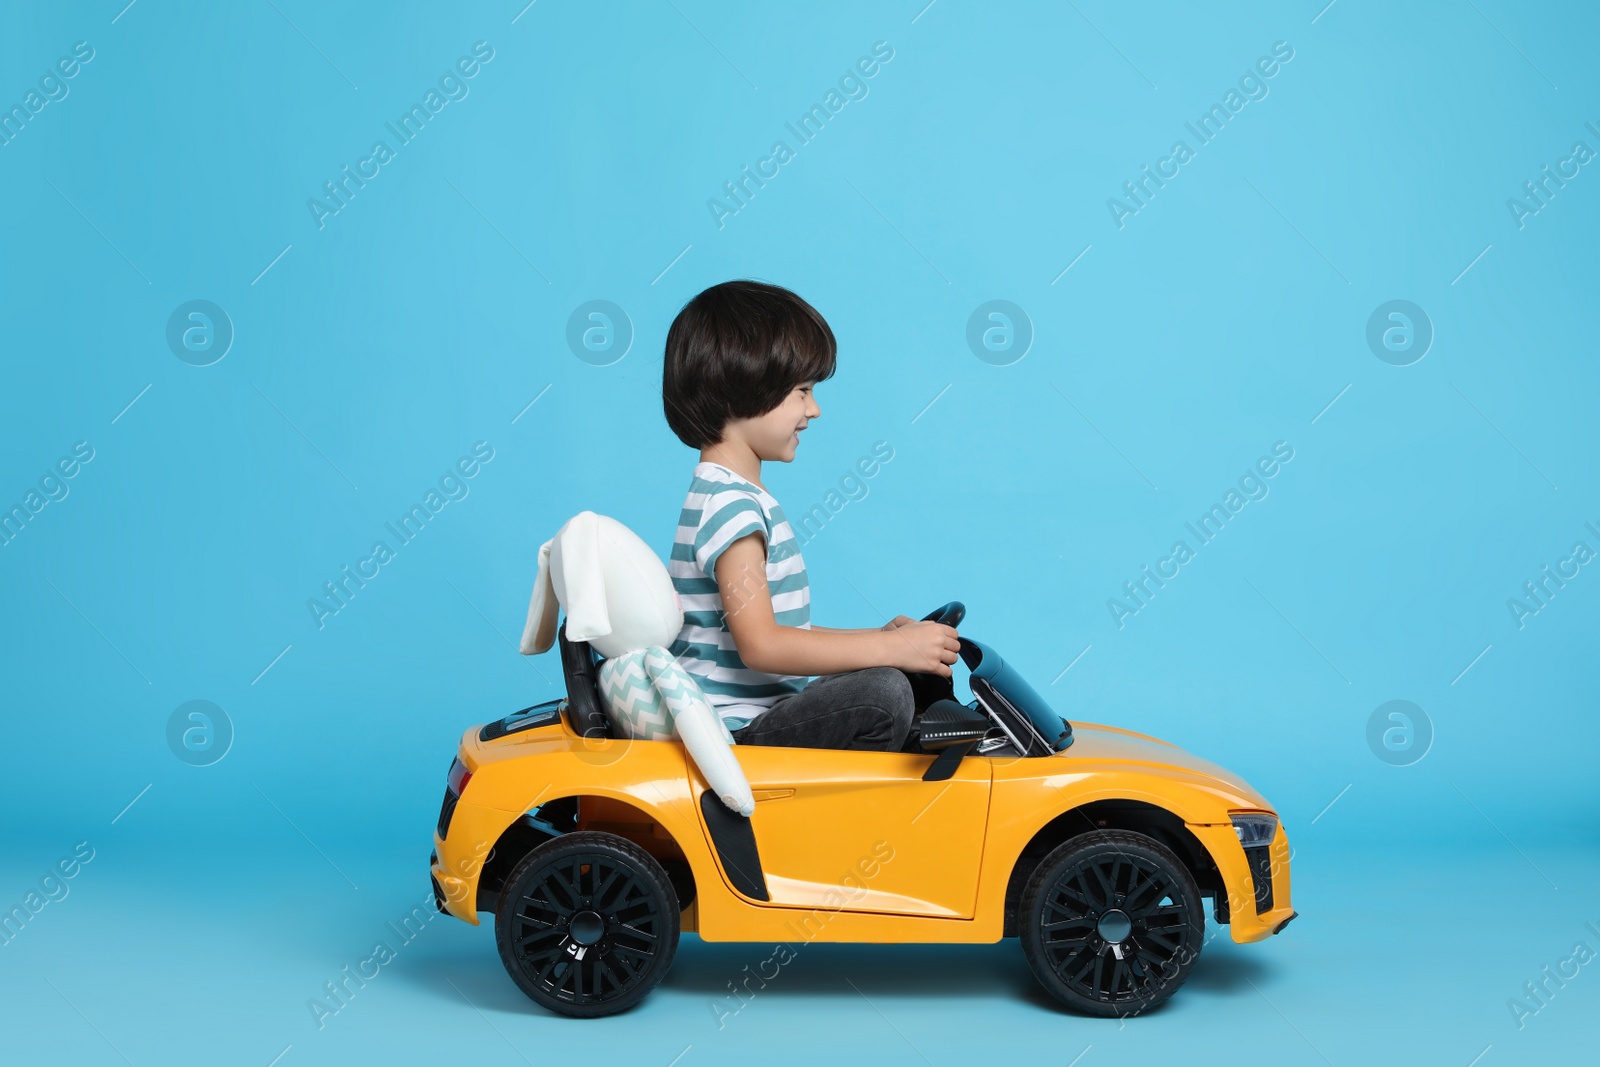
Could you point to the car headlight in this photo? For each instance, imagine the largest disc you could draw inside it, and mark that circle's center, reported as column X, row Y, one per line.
column 1255, row 829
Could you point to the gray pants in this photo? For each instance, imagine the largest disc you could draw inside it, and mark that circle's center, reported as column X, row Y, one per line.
column 867, row 709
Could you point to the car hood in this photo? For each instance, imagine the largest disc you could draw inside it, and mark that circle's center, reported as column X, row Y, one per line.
column 1113, row 744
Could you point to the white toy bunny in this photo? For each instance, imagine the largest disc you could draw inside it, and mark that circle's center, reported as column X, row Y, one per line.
column 619, row 598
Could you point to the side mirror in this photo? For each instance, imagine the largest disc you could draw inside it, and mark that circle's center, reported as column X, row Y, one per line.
column 951, row 729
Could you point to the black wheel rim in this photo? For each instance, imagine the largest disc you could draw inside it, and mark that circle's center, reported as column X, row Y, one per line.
column 1115, row 892
column 587, row 928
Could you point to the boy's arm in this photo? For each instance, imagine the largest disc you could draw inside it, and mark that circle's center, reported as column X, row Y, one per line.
column 764, row 645
column 893, row 624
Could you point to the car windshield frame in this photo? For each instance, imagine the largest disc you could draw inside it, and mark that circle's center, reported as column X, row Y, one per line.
column 1051, row 728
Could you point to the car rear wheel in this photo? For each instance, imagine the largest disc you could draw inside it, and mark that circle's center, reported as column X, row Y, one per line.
column 1111, row 923
column 587, row 924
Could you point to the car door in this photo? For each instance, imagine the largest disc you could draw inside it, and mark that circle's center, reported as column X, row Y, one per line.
column 861, row 831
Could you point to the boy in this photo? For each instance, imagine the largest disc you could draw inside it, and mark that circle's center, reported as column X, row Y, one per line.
column 742, row 361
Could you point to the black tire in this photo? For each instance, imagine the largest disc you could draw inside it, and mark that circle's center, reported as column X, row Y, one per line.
column 587, row 924
column 1111, row 923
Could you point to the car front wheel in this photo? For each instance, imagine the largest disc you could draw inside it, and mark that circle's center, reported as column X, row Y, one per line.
column 1111, row 923
column 587, row 924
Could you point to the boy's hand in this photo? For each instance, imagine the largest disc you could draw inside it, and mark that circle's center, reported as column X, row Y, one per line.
column 897, row 622
column 925, row 647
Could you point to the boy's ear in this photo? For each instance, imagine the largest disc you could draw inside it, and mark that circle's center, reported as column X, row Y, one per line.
column 540, row 631
column 583, row 579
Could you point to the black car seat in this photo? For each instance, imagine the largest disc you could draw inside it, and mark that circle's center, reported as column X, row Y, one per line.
column 585, row 711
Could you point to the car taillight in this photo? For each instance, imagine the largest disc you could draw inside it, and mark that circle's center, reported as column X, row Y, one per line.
column 459, row 777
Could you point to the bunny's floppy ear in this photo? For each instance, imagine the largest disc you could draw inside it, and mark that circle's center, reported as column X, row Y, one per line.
column 540, row 632
column 576, row 557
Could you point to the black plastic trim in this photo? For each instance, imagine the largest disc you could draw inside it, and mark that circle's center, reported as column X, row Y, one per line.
column 583, row 696
column 1260, row 859
column 545, row 714
column 447, row 811
column 735, row 841
column 945, row 763
column 947, row 722
column 438, row 896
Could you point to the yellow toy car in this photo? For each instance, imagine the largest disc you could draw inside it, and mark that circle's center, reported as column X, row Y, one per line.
column 1091, row 844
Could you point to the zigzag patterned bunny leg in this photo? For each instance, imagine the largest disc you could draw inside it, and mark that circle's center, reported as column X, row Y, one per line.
column 633, row 704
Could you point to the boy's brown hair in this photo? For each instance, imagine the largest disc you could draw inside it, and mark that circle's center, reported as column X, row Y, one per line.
column 735, row 351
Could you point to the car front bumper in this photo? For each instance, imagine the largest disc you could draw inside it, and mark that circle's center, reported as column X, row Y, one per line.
column 1259, row 904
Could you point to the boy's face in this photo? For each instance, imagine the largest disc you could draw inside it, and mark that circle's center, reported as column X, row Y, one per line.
column 776, row 435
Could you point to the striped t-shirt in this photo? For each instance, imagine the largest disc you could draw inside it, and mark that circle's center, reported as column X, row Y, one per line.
column 721, row 508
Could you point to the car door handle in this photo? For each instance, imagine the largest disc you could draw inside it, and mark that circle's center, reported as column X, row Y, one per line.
column 772, row 794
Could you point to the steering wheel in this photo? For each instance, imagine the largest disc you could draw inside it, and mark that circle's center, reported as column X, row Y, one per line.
column 926, row 688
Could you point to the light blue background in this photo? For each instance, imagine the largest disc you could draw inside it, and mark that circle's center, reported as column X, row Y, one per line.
column 426, row 315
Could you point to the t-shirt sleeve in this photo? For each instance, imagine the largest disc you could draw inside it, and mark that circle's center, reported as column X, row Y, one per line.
column 726, row 518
